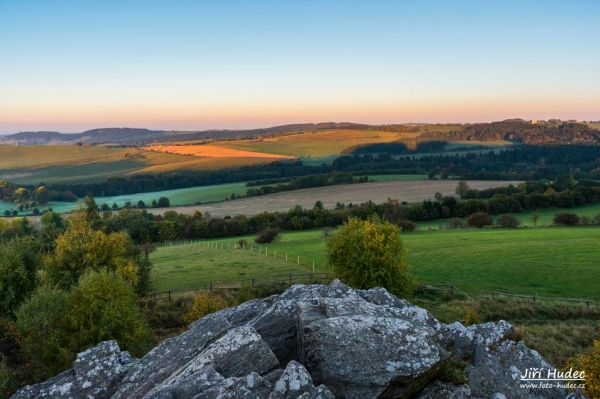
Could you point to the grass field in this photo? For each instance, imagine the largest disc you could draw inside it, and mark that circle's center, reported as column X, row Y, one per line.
column 188, row 266
column 546, row 217
column 542, row 261
column 318, row 144
column 73, row 164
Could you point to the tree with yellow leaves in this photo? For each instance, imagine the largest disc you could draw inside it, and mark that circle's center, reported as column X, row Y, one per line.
column 590, row 363
column 370, row 253
column 81, row 248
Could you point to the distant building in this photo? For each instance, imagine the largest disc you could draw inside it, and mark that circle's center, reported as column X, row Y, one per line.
column 534, row 121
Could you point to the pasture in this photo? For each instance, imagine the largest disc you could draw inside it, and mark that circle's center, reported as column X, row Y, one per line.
column 554, row 262
column 546, row 217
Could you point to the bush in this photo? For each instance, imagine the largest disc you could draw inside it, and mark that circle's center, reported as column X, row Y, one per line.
column 370, row 253
column 585, row 220
column 406, row 225
column 267, row 236
column 455, row 223
column 204, row 304
column 480, row 220
column 591, row 365
column 566, row 219
column 6, row 380
column 471, row 318
column 327, row 232
column 508, row 221
column 242, row 243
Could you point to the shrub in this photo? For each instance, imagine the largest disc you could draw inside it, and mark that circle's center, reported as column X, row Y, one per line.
column 591, row 365
column 204, row 304
column 480, row 220
column 267, row 236
column 327, row 232
column 585, row 220
column 471, row 318
column 406, row 225
column 242, row 243
column 508, row 221
column 566, row 219
column 455, row 223
column 370, row 253
column 6, row 379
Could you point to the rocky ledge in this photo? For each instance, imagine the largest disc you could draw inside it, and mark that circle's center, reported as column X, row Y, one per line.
column 310, row 342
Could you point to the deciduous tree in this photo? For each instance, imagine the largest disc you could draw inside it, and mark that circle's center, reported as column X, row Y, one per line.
column 370, row 253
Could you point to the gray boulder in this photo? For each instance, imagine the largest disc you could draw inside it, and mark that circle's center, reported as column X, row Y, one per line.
column 95, row 373
column 172, row 354
column 359, row 350
column 354, row 344
column 294, row 381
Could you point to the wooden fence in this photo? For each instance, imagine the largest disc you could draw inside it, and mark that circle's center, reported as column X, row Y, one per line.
column 453, row 290
column 233, row 285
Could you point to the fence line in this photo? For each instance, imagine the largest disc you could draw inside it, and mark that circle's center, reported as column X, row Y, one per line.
column 288, row 278
column 497, row 295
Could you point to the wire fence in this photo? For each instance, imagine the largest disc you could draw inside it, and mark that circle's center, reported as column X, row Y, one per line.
column 452, row 291
column 309, row 278
column 261, row 249
column 234, row 285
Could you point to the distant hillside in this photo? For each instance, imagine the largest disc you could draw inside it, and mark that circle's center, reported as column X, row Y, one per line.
column 520, row 132
column 142, row 136
column 514, row 130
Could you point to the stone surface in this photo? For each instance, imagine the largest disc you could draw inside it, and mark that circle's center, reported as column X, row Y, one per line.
column 294, row 381
column 95, row 373
column 365, row 354
column 169, row 356
column 351, row 343
column 251, row 386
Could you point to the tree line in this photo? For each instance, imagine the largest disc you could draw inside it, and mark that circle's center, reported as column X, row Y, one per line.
column 145, row 227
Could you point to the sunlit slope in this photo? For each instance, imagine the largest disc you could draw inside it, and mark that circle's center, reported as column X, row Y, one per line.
column 66, row 163
column 317, row 144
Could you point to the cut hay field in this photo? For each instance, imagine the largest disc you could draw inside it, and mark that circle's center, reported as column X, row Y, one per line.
column 318, row 144
column 554, row 262
column 410, row 191
column 211, row 151
column 70, row 163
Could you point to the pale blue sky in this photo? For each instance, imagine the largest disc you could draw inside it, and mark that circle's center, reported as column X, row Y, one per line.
column 73, row 65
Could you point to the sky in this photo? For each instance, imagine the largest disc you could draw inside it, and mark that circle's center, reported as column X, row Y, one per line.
column 72, row 65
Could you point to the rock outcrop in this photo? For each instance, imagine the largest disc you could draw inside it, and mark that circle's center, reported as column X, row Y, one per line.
column 312, row 342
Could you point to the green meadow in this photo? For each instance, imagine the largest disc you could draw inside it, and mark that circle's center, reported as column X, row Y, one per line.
column 557, row 262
